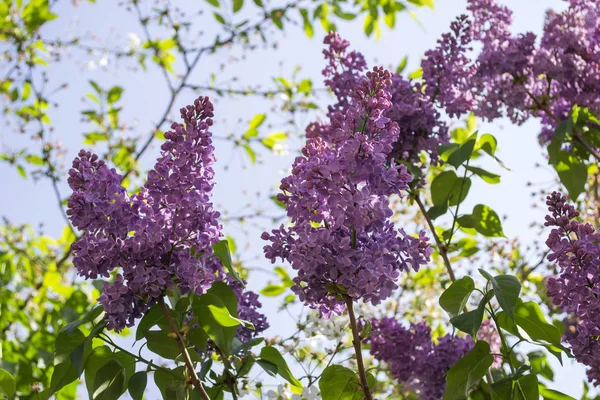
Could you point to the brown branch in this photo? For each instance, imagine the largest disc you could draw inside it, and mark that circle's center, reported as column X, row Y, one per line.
column 186, row 357
column 357, row 349
column 441, row 247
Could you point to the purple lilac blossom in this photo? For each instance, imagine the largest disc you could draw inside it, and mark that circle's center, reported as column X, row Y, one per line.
column 575, row 247
column 337, row 199
column 488, row 332
column 513, row 75
column 420, row 124
column 150, row 235
column 413, row 359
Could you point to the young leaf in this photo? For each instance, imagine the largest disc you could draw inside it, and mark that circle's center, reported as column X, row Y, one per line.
column 222, row 252
column 507, row 289
column 441, row 187
column 458, row 157
column 470, row 322
column 526, row 388
column 530, row 318
column 153, row 317
column 455, row 297
column 339, row 383
column 7, row 384
column 222, row 298
column 549, row 394
column 487, row 176
column 109, row 382
column 137, row 385
column 161, row 343
column 271, row 354
column 467, row 371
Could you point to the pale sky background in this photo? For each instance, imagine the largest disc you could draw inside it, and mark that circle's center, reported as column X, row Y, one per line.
column 144, row 100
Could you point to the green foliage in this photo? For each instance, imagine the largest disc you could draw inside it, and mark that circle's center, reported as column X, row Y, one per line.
column 7, row 383
column 470, row 322
column 137, row 385
column 467, row 371
column 507, row 289
column 341, row 383
column 484, row 220
column 273, row 356
column 217, row 314
column 454, row 299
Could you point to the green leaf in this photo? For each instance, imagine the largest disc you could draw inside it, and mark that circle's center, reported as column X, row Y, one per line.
column 572, row 173
column 530, row 318
column 402, row 65
column 244, row 346
column 437, row 211
column 526, row 388
column 219, row 18
column 114, row 94
column 169, row 382
column 7, row 384
column 305, row 86
column 237, row 5
column 137, row 385
column 540, row 365
column 36, row 13
column 507, row 289
column 549, row 394
column 96, row 87
column 416, row 74
column 339, row 383
column 221, row 297
column 487, row 143
column 441, row 187
column 257, row 121
column 487, row 176
column 250, row 153
column 467, row 371
column 502, row 389
column 458, row 157
column 214, row 3
column 222, row 252
column 308, row 28
column 109, row 382
column 273, row 355
column 470, row 322
column 64, row 370
column 485, row 221
column 455, row 297
column 272, row 290
column 198, row 338
column 153, row 317
column 269, row 367
column 90, row 316
column 35, row 160
column 159, row 342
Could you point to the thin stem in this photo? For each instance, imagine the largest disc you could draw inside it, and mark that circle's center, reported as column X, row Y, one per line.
column 186, row 357
column 505, row 353
column 357, row 349
column 455, row 215
column 440, row 245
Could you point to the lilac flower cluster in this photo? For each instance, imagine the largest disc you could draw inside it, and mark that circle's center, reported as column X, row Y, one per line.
column 161, row 237
column 575, row 247
column 337, row 199
column 413, row 358
column 421, row 128
column 512, row 75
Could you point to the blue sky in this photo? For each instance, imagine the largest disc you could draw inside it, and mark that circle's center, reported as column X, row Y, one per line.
column 145, row 97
